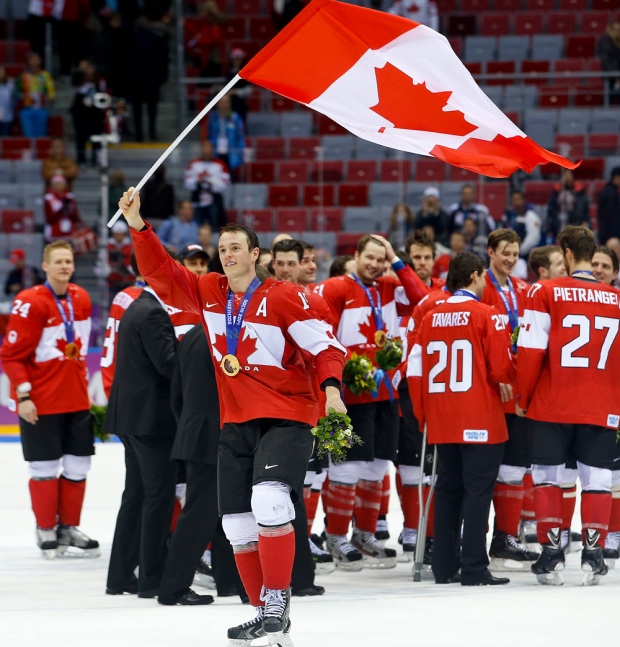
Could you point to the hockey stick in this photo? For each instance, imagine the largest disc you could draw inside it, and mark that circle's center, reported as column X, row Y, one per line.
column 424, row 509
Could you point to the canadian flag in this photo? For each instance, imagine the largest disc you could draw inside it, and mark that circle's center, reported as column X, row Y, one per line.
column 394, row 82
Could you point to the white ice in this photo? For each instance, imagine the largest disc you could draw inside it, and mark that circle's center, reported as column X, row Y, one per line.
column 62, row 602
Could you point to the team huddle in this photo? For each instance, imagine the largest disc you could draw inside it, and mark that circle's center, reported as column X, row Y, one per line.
column 511, row 386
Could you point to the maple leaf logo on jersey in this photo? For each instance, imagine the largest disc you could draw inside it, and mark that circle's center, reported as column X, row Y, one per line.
column 247, row 347
column 367, row 331
column 220, row 345
column 62, row 343
column 398, row 98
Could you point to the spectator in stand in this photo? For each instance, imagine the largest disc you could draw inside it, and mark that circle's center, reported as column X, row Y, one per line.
column 157, row 197
column 608, row 50
column 87, row 118
column 431, row 214
column 58, row 163
column 401, row 225
column 422, row 11
column 227, row 134
column 22, row 276
column 71, row 16
column 35, row 90
column 568, row 205
column 429, row 232
column 243, row 88
column 204, row 41
column 61, row 213
column 609, row 208
column 7, row 103
column 205, row 240
column 342, row 266
column 442, row 263
column 480, row 224
column 178, row 231
column 207, row 178
column 522, row 218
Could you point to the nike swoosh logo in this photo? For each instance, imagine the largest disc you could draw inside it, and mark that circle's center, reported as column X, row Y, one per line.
column 50, row 320
column 268, row 467
column 210, row 305
column 350, row 301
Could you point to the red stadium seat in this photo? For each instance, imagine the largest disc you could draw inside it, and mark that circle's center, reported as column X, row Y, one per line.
column 283, row 195
column 395, row 170
column 475, row 6
column 270, row 148
column 328, row 219
column 554, row 96
column 580, row 46
column 562, row 23
column 596, row 189
column 16, row 147
column 568, row 67
column 262, row 28
column 246, row 7
column 499, row 69
column 599, row 144
column 573, row 5
column 17, row 221
column 514, row 116
column 610, row 6
column 261, row 172
column 295, row 172
column 593, row 22
column 446, row 6
column 361, row 171
column 20, row 50
column 430, row 170
column 42, row 147
column 571, row 146
column 4, row 52
column 462, row 26
column 528, row 24
column 511, row 6
column 325, row 126
column 495, row 196
column 256, row 219
column 327, row 171
column 347, row 243
column 462, row 175
column 281, row 104
column 537, row 72
column 541, row 5
column 537, row 192
column 292, row 220
column 55, row 126
column 589, row 97
column 303, row 147
column 316, row 195
column 495, row 24
column 234, row 28
column 473, row 67
column 456, row 43
column 353, row 195
column 592, row 168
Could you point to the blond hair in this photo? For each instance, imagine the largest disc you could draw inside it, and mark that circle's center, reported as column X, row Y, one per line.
column 58, row 244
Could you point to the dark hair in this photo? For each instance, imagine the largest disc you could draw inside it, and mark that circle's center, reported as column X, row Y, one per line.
column 580, row 241
column 422, row 239
column 502, row 236
column 462, row 266
column 541, row 257
column 288, row 245
column 250, row 234
column 615, row 171
column 338, row 266
column 601, row 249
column 405, row 258
column 364, row 240
column 306, row 246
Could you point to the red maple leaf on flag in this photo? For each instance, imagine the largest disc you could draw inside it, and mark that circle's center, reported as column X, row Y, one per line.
column 368, row 332
column 415, row 107
column 220, row 344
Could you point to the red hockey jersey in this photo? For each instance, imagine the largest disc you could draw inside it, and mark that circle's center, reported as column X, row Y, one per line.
column 354, row 323
column 461, row 353
column 569, row 353
column 33, row 350
column 279, row 325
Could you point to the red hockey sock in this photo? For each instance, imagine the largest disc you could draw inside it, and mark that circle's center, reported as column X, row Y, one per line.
column 367, row 504
column 340, row 503
column 276, row 547
column 508, row 503
column 251, row 572
column 312, row 503
column 385, row 495
column 325, row 497
column 569, row 500
column 595, row 513
column 548, row 502
column 176, row 511
column 527, row 511
column 70, row 500
column 410, row 503
column 430, row 521
column 44, row 497
column 399, row 485
column 614, row 518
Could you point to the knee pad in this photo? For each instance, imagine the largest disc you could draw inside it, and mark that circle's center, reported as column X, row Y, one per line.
column 240, row 529
column 319, row 479
column 348, row 473
column 548, row 474
column 594, row 478
column 409, row 474
column 42, row 470
column 271, row 503
column 511, row 474
column 375, row 470
column 75, row 468
column 615, row 481
column 309, row 478
column 570, row 477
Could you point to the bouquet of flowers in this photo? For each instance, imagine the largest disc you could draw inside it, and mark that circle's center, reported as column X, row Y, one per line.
column 515, row 335
column 359, row 375
column 391, row 355
column 97, row 413
column 334, row 435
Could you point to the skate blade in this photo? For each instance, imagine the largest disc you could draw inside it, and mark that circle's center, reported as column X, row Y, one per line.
column 72, row 552
column 378, row 562
column 405, row 558
column 353, row 567
column 501, row 565
column 206, row 582
column 324, row 568
column 550, row 579
column 279, row 640
column 49, row 553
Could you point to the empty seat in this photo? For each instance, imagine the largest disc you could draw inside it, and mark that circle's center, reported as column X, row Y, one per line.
column 234, row 27
column 495, row 24
column 592, row 168
column 528, row 24
column 589, row 97
column 513, row 48
column 415, row 193
column 361, row 171
column 256, row 219
column 322, row 240
column 6, row 171
column 261, row 172
column 537, row 192
column 545, row 118
column 480, row 48
column 495, row 196
column 554, row 96
column 17, row 221
column 283, row 195
column 573, row 122
column 562, row 23
column 9, row 196
column 537, row 72
column 580, row 46
column 281, row 104
column 337, row 147
column 430, row 170
column 246, row 7
column 573, row 5
column 462, row 25
column 462, row 175
column 326, row 219
column 450, row 193
column 326, row 126
column 32, row 199
column 318, row 195
column 570, row 146
column 507, row 5
column 547, row 46
column 250, row 196
column 500, row 69
column 263, row 124
column 363, row 219
column 292, row 219
column 303, row 147
column 593, row 22
column 475, row 6
column 352, row 195
column 386, row 193
column 296, row 124
column 366, row 150
column 611, row 162
column 605, row 121
column 495, row 93
column 269, row 148
column 262, row 28
column 326, row 171
column 519, row 97
column 294, row 171
column 395, row 170
column 603, row 144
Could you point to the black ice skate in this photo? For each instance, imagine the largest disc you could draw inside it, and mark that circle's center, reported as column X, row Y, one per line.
column 71, row 537
column 276, row 615
column 375, row 554
column 408, row 539
column 592, row 562
column 345, row 555
column 509, row 555
column 47, row 541
column 611, row 552
column 551, row 561
column 242, row 635
column 204, row 575
column 323, row 561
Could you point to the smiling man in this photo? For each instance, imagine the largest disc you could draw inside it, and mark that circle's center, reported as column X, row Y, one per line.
column 258, row 335
column 307, row 275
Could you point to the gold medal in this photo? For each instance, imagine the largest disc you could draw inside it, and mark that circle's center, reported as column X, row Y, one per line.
column 230, row 365
column 380, row 338
column 72, row 350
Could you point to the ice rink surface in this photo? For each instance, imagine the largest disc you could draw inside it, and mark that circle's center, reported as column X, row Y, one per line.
column 63, row 602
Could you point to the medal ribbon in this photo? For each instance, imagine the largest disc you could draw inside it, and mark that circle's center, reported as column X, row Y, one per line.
column 139, row 284
column 376, row 309
column 513, row 313
column 233, row 324
column 69, row 323
column 382, row 376
column 464, row 293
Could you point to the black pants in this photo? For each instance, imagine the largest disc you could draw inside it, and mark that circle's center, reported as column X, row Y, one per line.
column 465, row 480
column 150, row 98
column 143, row 521
column 303, row 566
column 198, row 525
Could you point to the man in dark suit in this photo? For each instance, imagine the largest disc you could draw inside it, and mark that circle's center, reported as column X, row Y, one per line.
column 139, row 413
column 196, row 406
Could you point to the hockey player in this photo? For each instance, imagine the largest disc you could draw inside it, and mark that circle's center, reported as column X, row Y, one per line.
column 461, row 355
column 422, row 251
column 365, row 310
column 507, row 294
column 44, row 357
column 307, row 274
column 257, row 334
column 569, row 345
column 546, row 262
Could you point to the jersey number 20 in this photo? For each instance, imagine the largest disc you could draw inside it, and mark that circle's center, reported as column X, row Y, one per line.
column 460, row 355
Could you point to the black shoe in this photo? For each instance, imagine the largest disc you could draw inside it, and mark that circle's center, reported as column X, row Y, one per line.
column 487, row 579
column 191, row 599
column 132, row 589
column 428, row 551
column 151, row 593
column 310, row 591
column 455, row 579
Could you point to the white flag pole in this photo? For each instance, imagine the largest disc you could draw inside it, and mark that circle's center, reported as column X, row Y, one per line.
column 177, row 141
